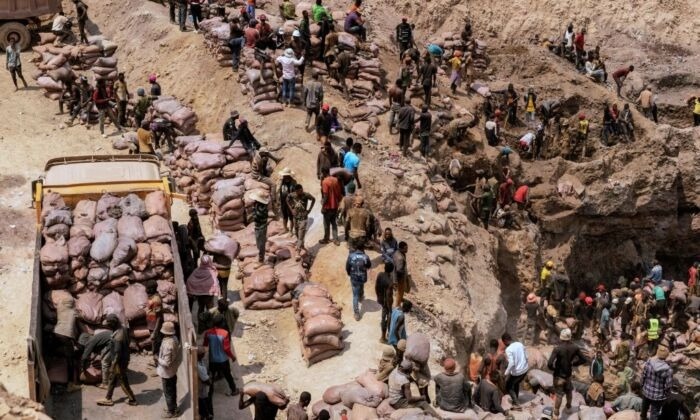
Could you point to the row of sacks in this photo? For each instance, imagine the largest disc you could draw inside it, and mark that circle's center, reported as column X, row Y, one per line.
column 105, row 244
column 171, row 109
column 269, row 285
column 110, row 247
column 319, row 321
column 365, row 117
column 474, row 48
column 215, row 177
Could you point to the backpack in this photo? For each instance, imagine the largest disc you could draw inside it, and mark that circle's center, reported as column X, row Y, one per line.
column 358, row 270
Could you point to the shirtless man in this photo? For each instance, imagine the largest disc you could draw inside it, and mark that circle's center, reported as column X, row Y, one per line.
column 396, row 101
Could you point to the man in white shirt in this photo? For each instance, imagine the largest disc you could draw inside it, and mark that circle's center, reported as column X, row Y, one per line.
column 289, row 65
column 59, row 28
column 517, row 366
column 569, row 38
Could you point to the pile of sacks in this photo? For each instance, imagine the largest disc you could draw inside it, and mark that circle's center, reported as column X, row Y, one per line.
column 56, row 65
column 99, row 257
column 450, row 41
column 269, row 285
column 216, row 178
column 365, row 117
column 318, row 319
column 216, row 37
column 259, row 80
column 171, row 109
column 364, row 398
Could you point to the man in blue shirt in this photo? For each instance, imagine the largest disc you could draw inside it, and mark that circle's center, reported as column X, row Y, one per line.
column 356, row 266
column 351, row 163
column 657, row 273
column 397, row 326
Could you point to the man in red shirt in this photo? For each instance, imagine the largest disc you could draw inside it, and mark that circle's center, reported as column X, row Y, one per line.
column 331, row 195
column 265, row 31
column 251, row 35
column 579, row 44
column 522, row 196
column 619, row 77
column 505, row 193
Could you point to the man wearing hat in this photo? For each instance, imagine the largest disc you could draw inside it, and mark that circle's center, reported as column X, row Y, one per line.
column 323, row 123
column 230, row 130
column 534, row 313
column 453, row 393
column 169, row 359
column 287, row 184
column 288, row 64
column 564, row 357
column 404, row 36
column 260, row 212
column 313, row 97
column 657, row 378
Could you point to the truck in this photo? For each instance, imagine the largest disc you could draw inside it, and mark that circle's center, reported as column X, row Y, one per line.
column 21, row 17
column 89, row 177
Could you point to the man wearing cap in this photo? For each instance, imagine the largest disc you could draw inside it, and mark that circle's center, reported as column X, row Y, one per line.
column 546, row 274
column 313, row 98
column 323, row 124
column 230, row 131
column 141, row 107
column 331, row 195
column 564, row 357
column 534, row 312
column 120, row 354
column 453, row 393
column 657, row 378
column 298, row 203
column 260, row 214
column 288, row 64
column 404, row 36
column 169, row 358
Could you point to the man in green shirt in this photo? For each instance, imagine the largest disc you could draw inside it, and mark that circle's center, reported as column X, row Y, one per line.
column 299, row 204
column 318, row 11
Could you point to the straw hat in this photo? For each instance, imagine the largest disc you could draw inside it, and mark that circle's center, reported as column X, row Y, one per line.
column 286, row 172
column 565, row 335
column 257, row 196
column 168, row 328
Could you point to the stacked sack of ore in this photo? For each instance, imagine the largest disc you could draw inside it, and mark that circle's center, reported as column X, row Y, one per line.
column 260, row 82
column 56, row 64
column 269, row 285
column 110, row 255
column 318, row 319
column 216, row 36
column 364, row 117
column 199, row 163
column 474, row 49
column 171, row 109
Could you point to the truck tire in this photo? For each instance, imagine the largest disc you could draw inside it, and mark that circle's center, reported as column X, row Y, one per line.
column 18, row 29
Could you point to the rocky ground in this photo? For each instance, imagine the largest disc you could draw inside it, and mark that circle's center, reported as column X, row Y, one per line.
column 635, row 201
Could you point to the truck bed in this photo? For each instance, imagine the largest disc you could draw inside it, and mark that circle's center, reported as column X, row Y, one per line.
column 145, row 384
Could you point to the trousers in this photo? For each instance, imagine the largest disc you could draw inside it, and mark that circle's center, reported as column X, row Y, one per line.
column 119, row 375
column 330, row 220
column 513, row 386
column 655, row 407
column 358, row 295
column 170, row 393
column 225, row 370
column 260, row 240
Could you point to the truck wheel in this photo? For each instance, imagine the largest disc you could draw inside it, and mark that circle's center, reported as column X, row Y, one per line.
column 17, row 29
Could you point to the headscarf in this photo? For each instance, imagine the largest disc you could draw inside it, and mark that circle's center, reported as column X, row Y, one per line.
column 203, row 280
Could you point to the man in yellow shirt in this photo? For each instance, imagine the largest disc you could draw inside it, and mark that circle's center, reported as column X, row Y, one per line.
column 546, row 274
column 455, row 64
column 696, row 110
column 145, row 138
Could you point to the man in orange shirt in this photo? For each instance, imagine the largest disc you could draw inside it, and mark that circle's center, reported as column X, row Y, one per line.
column 522, row 196
column 331, row 195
